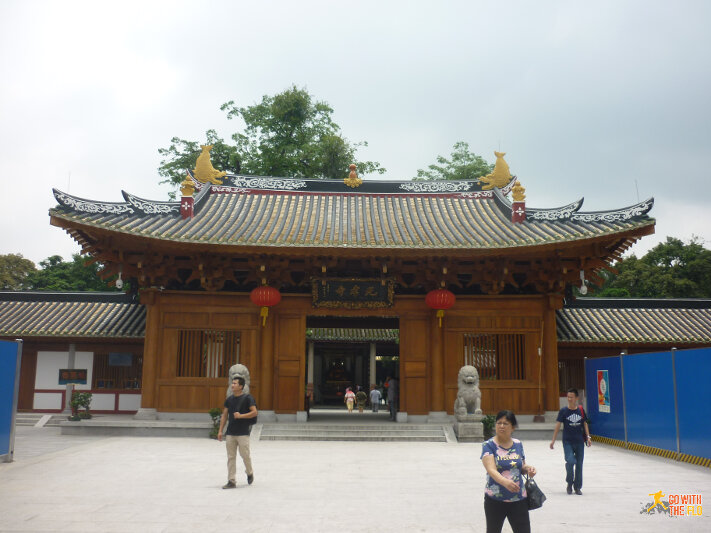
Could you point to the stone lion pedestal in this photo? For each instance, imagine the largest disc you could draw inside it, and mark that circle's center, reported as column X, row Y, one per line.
column 469, row 428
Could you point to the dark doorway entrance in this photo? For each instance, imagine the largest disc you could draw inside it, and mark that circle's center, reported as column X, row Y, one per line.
column 344, row 352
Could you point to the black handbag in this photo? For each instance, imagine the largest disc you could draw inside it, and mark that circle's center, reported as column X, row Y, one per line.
column 534, row 494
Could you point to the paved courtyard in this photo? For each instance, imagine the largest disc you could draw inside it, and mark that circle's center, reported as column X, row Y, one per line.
column 106, row 484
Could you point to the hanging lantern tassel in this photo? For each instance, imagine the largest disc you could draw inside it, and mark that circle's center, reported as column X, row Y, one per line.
column 263, row 313
column 440, row 315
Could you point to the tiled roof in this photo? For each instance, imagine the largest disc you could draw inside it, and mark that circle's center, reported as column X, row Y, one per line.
column 275, row 212
column 71, row 315
column 642, row 324
column 353, row 334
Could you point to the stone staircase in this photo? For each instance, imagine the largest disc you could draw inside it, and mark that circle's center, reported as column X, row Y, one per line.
column 32, row 419
column 357, row 432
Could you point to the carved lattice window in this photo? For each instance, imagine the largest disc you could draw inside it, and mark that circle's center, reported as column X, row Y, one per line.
column 496, row 355
column 207, row 353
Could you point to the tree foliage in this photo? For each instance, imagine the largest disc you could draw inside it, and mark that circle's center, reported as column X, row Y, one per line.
column 14, row 271
column 462, row 165
column 671, row 269
column 289, row 134
column 58, row 275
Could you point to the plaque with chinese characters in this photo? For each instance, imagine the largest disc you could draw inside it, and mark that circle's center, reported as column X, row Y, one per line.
column 72, row 375
column 352, row 293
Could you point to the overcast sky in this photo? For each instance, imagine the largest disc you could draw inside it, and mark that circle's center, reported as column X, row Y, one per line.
column 607, row 100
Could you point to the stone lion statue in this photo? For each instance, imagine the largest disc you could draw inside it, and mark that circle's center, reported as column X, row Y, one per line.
column 469, row 396
column 235, row 371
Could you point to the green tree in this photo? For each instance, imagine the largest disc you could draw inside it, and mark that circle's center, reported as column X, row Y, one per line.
column 289, row 134
column 14, row 271
column 58, row 275
column 463, row 165
column 671, row 269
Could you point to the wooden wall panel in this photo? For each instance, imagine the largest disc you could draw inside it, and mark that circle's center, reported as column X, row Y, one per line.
column 498, row 396
column 414, row 375
column 519, row 396
column 248, row 354
column 28, row 372
column 193, row 395
column 218, row 395
column 416, row 396
column 183, row 398
column 290, row 351
column 186, row 320
column 233, row 320
column 415, row 369
column 453, row 357
column 414, row 338
column 167, row 364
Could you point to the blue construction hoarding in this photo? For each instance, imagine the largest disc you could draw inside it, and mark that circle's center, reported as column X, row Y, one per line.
column 652, row 399
column 10, row 358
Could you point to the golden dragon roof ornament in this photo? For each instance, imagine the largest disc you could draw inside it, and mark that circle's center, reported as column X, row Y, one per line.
column 500, row 176
column 204, row 172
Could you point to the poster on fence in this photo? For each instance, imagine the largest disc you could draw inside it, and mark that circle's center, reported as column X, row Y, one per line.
column 603, row 391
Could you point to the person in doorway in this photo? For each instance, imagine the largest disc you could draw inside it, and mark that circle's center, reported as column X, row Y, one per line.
column 238, row 412
column 361, row 398
column 505, row 464
column 375, row 397
column 349, row 399
column 392, row 397
column 576, row 435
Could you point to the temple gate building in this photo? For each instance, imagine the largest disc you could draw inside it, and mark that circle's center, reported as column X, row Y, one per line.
column 253, row 269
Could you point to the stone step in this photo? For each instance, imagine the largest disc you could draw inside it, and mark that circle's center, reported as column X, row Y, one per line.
column 364, row 438
column 31, row 419
column 354, row 432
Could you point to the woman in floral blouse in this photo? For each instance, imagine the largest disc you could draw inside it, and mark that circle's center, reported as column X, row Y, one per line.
column 505, row 463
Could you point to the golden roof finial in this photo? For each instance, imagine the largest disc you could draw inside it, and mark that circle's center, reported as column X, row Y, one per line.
column 518, row 192
column 353, row 180
column 187, row 187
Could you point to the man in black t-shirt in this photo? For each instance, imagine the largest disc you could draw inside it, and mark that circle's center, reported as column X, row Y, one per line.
column 576, row 434
column 239, row 412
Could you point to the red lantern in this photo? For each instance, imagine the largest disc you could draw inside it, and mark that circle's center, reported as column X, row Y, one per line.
column 265, row 296
column 440, row 299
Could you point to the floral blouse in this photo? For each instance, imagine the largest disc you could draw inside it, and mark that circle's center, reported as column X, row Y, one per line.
column 509, row 463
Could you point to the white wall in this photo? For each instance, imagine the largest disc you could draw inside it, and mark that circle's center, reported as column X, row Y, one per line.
column 102, row 402
column 129, row 402
column 49, row 363
column 47, row 400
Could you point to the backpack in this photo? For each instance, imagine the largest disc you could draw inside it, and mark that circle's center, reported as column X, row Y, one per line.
column 251, row 421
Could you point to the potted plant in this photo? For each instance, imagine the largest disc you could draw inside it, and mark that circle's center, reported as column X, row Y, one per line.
column 80, row 400
column 215, row 414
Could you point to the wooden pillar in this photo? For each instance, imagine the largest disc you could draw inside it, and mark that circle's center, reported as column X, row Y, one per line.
column 551, row 400
column 150, row 355
column 436, row 365
column 266, row 356
column 371, row 368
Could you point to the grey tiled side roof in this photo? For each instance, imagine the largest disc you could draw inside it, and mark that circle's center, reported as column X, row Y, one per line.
column 277, row 212
column 634, row 325
column 55, row 318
